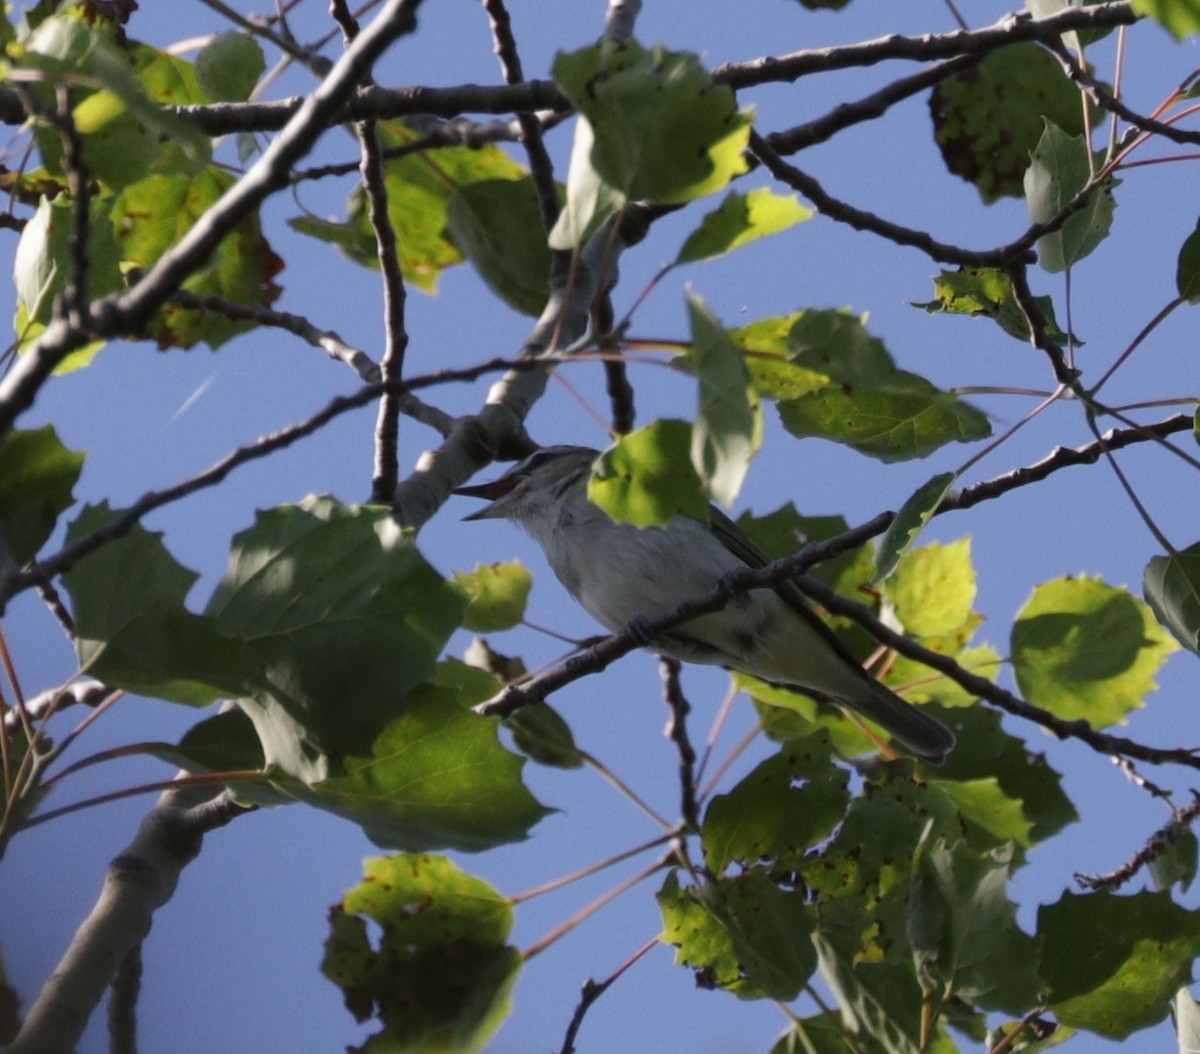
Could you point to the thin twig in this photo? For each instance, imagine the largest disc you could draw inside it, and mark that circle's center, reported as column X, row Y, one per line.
column 677, row 733
column 129, row 311
column 993, row 693
column 867, row 108
column 121, row 524
column 541, row 169
column 1156, row 846
column 593, row 990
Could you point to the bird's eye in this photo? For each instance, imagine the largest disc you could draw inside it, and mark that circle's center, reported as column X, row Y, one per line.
column 536, row 460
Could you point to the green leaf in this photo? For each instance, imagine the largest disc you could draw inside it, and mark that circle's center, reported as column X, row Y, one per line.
column 728, row 428
column 150, row 216
column 742, row 933
column 768, row 357
column 963, row 928
column 788, row 803
column 647, row 477
column 37, row 475
column 933, row 588
column 1084, row 649
column 985, row 751
column 784, row 532
column 866, row 402
column 880, row 1002
column 225, row 742
column 435, row 777
column 740, row 219
column 984, row 803
column 988, row 119
column 1172, row 589
column 345, row 618
column 126, row 127
column 658, row 129
column 541, row 734
column 988, row 292
column 1176, row 863
column 909, row 522
column 497, row 224
column 1187, row 269
column 439, row 975
column 42, row 263
column 229, row 67
column 1112, row 964
column 134, row 631
column 419, row 188
column 496, row 593
column 1059, row 170
column 590, row 200
column 1180, row 17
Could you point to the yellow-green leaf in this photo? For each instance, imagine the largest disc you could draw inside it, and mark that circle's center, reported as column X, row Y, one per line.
column 1085, row 649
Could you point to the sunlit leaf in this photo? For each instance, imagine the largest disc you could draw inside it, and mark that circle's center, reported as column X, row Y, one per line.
column 769, row 358
column 1111, row 964
column 1180, row 17
column 42, row 264
column 933, row 588
column 127, row 129
column 986, row 751
column 866, row 402
column 420, row 947
column 435, row 777
column 988, row 292
column 37, row 475
column 653, row 126
column 419, row 188
column 1084, row 649
column 740, row 219
column 728, row 428
column 787, row 803
column 647, row 477
column 1058, row 171
column 151, row 216
column 497, row 594
column 742, row 933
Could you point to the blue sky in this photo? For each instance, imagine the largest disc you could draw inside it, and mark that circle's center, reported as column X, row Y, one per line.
column 232, row 961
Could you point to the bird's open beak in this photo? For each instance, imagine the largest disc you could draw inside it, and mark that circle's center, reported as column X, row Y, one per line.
column 495, row 492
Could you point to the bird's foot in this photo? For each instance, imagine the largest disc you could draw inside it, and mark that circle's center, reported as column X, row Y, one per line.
column 639, row 630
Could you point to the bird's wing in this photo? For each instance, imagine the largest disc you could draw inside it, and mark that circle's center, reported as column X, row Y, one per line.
column 735, row 540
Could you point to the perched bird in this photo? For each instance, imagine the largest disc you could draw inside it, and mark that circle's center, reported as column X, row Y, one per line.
column 624, row 574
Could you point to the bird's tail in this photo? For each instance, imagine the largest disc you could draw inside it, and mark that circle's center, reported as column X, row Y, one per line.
column 925, row 736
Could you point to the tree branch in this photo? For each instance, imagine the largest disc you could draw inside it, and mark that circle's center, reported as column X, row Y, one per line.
column 129, row 311
column 1009, row 30
column 607, row 651
column 993, row 693
column 139, row 881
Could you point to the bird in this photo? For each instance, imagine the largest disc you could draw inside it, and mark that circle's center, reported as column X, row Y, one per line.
column 625, row 575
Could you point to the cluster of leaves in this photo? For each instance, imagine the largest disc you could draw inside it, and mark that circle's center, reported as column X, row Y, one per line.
column 329, row 628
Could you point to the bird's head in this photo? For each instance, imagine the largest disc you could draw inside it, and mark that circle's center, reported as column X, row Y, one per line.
column 531, row 486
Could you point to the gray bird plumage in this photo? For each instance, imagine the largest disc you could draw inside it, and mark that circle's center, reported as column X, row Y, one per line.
column 621, row 573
